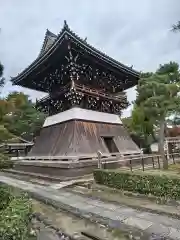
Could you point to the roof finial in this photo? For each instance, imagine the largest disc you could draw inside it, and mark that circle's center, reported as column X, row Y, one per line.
column 65, row 24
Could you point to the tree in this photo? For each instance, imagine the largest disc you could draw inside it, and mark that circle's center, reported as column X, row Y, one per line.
column 146, row 74
column 1, row 75
column 157, row 98
column 4, row 133
column 171, row 68
column 176, row 27
column 18, row 115
column 22, row 119
column 141, row 128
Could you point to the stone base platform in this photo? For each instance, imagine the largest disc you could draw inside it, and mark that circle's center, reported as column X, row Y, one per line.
column 41, row 179
column 57, row 169
column 62, row 169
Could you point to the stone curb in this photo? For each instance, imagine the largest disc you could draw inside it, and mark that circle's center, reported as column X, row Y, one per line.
column 170, row 202
column 112, row 224
column 172, row 215
column 48, row 223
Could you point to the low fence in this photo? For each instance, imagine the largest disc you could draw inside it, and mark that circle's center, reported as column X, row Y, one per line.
column 130, row 161
column 134, row 162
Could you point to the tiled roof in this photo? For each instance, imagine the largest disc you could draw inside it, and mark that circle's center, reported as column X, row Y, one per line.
column 52, row 42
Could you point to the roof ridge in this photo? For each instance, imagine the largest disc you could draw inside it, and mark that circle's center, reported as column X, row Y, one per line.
column 95, row 49
column 67, row 29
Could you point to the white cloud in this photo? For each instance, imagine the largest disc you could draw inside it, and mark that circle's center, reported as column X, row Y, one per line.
column 134, row 32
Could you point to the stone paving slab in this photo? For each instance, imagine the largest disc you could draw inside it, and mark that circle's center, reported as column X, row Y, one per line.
column 174, row 233
column 159, row 229
column 148, row 222
column 138, row 222
column 161, row 219
column 47, row 235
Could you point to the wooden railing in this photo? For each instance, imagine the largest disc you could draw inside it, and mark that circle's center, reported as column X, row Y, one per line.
column 142, row 162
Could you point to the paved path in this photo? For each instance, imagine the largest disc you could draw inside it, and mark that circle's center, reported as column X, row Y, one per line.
column 117, row 215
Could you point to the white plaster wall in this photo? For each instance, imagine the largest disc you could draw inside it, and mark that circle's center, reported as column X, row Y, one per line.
column 82, row 114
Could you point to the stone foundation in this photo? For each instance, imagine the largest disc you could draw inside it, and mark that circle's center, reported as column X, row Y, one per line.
column 61, row 169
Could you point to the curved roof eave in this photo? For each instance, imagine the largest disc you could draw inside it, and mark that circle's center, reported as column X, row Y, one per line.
column 66, row 30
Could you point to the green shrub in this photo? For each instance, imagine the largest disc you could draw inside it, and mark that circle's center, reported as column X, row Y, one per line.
column 144, row 183
column 5, row 161
column 15, row 217
column 5, row 196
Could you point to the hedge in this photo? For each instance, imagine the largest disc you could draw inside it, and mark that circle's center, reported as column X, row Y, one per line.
column 14, row 216
column 144, row 183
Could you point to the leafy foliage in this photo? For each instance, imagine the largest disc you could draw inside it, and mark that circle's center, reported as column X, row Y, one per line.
column 144, row 183
column 146, row 74
column 4, row 134
column 176, row 27
column 168, row 68
column 18, row 116
column 5, row 161
column 22, row 119
column 141, row 123
column 1, row 74
column 141, row 128
column 4, row 107
column 1, row 69
column 14, row 215
column 5, row 197
column 157, row 98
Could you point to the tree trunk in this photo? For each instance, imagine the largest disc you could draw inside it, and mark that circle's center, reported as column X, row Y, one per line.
column 161, row 143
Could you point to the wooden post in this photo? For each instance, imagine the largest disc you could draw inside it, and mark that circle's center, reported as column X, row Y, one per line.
column 173, row 158
column 99, row 154
column 26, row 150
column 158, row 162
column 153, row 161
column 130, row 163
column 142, row 164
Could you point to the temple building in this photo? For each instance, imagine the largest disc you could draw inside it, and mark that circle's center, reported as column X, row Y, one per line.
column 86, row 96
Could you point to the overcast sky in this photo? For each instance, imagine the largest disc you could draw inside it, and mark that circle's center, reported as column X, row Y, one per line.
column 133, row 32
